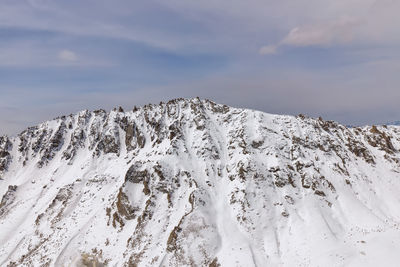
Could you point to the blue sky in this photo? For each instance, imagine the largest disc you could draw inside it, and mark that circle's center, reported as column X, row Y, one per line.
column 336, row 59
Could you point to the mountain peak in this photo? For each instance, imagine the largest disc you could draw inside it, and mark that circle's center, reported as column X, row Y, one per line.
column 192, row 182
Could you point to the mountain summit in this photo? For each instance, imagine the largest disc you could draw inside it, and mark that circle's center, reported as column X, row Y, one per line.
column 195, row 183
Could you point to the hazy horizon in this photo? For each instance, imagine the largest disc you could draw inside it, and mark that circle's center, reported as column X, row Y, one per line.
column 337, row 60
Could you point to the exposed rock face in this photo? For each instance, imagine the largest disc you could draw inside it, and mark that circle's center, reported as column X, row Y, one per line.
column 7, row 199
column 194, row 183
column 5, row 157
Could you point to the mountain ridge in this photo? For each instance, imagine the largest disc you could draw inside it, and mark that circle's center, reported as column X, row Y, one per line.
column 193, row 183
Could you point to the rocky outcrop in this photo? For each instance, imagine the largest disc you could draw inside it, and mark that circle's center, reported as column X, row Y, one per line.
column 5, row 156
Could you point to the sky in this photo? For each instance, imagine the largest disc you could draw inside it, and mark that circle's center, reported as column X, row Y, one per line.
column 338, row 59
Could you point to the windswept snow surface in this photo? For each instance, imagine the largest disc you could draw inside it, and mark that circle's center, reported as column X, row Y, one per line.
column 194, row 183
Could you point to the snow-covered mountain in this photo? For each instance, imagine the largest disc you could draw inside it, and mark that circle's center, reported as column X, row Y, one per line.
column 194, row 183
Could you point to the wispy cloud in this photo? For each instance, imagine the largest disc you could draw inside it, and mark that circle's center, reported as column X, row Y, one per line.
column 67, row 55
column 337, row 32
column 269, row 50
column 32, row 54
column 369, row 23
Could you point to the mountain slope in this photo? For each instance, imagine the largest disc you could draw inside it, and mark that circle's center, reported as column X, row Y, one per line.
column 194, row 183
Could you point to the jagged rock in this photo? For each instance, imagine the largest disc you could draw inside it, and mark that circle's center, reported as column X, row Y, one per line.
column 7, row 199
column 136, row 175
column 5, row 157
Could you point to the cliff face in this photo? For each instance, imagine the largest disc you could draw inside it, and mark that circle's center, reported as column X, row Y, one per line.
column 194, row 183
